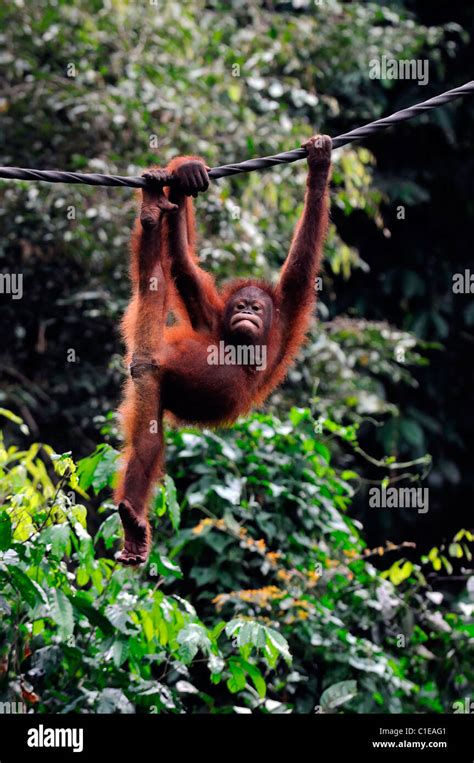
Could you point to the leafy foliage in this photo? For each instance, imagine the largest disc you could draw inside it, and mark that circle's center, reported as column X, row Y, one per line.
column 270, row 595
column 87, row 634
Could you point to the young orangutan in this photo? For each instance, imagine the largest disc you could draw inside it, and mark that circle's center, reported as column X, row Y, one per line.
column 170, row 368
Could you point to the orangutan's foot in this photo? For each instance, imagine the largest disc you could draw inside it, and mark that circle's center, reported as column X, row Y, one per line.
column 137, row 536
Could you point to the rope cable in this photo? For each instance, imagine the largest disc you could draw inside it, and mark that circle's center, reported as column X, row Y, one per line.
column 250, row 165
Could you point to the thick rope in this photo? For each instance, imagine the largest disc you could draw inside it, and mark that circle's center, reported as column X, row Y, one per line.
column 56, row 176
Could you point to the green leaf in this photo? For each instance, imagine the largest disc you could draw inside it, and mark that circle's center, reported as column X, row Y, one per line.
column 166, row 567
column 5, row 531
column 412, row 433
column 348, row 474
column 191, row 638
column 171, row 502
column 399, row 572
column 338, row 694
column 277, row 645
column 455, row 550
column 114, row 701
column 82, row 604
column 237, row 680
column 58, row 536
column 256, row 676
column 322, row 450
column 120, row 652
column 234, row 92
column 268, row 640
column 29, row 589
column 98, row 470
column 15, row 419
column 61, row 612
column 110, row 529
column 79, row 512
column 231, row 491
column 10, row 416
column 82, row 577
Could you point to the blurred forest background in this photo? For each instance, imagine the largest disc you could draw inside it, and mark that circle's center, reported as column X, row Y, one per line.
column 113, row 86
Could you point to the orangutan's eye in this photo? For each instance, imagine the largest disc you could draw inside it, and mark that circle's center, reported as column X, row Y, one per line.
column 240, row 306
column 256, row 308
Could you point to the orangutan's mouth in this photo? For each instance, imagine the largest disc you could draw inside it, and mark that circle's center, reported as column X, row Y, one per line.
column 239, row 319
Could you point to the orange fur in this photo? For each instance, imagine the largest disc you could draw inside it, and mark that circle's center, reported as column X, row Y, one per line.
column 172, row 374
